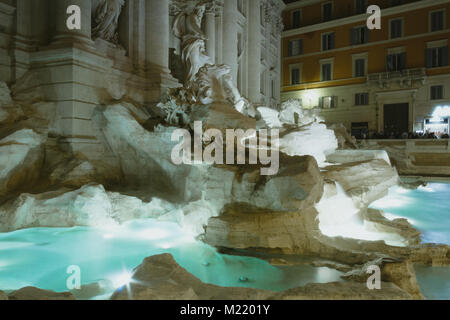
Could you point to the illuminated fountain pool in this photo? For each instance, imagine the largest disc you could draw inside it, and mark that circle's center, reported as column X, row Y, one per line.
column 40, row 257
column 428, row 210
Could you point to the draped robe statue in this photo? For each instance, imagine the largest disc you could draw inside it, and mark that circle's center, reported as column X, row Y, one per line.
column 105, row 19
column 210, row 82
column 188, row 29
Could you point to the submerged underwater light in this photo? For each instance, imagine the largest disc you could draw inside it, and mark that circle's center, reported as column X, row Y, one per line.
column 122, row 279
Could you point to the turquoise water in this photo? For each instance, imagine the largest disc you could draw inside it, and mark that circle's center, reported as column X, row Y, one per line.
column 434, row 282
column 427, row 209
column 40, row 257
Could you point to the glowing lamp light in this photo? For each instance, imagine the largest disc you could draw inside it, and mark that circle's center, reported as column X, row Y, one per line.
column 310, row 96
column 440, row 112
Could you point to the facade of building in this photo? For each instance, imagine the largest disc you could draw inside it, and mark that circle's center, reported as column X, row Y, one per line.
column 126, row 50
column 389, row 80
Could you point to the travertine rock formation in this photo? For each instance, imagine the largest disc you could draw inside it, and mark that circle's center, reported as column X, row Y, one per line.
column 242, row 228
column 240, row 208
column 90, row 205
column 31, row 293
column 364, row 181
column 21, row 159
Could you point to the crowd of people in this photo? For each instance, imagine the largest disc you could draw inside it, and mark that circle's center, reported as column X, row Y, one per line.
column 405, row 135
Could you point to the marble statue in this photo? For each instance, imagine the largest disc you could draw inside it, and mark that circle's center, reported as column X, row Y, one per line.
column 209, row 82
column 187, row 27
column 105, row 18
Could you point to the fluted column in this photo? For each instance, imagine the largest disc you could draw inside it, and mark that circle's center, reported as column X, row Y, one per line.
column 139, row 33
column 230, row 53
column 210, row 31
column 61, row 32
column 219, row 37
column 254, row 51
column 157, row 35
column 157, row 43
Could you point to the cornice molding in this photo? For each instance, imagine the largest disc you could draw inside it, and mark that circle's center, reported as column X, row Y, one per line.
column 369, row 44
column 361, row 17
column 5, row 8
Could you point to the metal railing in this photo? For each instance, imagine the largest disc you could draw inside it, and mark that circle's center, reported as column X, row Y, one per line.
column 402, row 76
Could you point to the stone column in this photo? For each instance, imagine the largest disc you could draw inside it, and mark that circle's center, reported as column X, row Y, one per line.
column 230, row 47
column 210, row 31
column 219, row 37
column 157, row 35
column 254, row 51
column 157, row 39
column 61, row 33
column 139, row 33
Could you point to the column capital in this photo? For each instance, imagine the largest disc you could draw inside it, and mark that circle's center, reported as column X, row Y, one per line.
column 272, row 15
column 214, row 6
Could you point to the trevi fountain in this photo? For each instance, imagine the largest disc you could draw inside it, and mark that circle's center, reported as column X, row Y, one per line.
column 132, row 223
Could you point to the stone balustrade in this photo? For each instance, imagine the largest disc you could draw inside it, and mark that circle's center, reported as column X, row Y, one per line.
column 427, row 157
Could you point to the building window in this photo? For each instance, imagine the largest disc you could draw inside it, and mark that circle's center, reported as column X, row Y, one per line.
column 437, row 57
column 359, row 35
column 296, row 19
column 437, row 20
column 396, row 62
column 295, row 75
column 360, row 6
column 327, row 11
column 326, row 72
column 436, row 92
column 328, row 41
column 362, row 99
column 328, row 102
column 360, row 68
column 295, row 47
column 396, row 28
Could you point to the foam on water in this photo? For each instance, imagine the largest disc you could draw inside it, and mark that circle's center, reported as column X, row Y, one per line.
column 426, row 208
column 339, row 217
